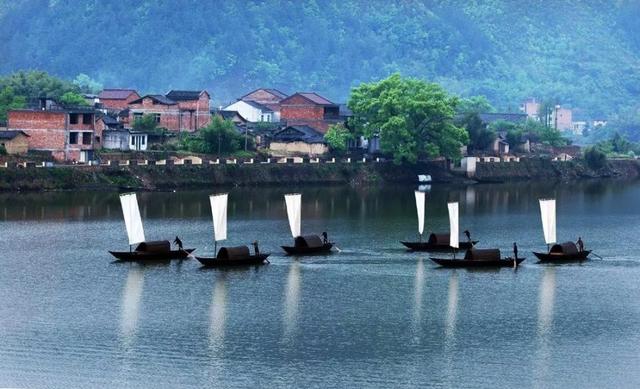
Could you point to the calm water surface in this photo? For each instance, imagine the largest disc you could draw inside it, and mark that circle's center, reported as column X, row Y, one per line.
column 372, row 315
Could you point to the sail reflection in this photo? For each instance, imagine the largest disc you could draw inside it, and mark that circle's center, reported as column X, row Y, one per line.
column 217, row 313
column 546, row 296
column 292, row 300
column 130, row 309
column 452, row 309
column 417, row 298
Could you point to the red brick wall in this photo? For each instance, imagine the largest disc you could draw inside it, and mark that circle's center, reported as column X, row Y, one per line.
column 176, row 117
column 119, row 104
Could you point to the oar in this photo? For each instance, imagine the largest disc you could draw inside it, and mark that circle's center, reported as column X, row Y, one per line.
column 337, row 248
column 596, row 255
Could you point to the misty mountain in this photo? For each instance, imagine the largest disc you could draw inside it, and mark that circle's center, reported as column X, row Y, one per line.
column 581, row 53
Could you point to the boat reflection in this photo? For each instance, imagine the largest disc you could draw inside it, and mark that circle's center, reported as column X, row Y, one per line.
column 292, row 300
column 130, row 308
column 217, row 313
column 450, row 327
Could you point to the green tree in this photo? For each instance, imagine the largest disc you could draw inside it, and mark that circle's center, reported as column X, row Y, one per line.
column 337, row 137
column 72, row 98
column 221, row 136
column 33, row 84
column 146, row 123
column 9, row 100
column 595, row 158
column 411, row 116
column 86, row 84
column 480, row 135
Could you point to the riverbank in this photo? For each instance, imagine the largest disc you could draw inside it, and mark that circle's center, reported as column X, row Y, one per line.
column 170, row 177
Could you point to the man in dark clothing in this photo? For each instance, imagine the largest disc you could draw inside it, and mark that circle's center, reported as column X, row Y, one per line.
column 515, row 250
column 325, row 238
column 255, row 247
column 468, row 234
column 178, row 243
column 580, row 244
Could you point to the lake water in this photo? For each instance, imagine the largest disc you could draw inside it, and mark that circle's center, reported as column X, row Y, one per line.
column 372, row 315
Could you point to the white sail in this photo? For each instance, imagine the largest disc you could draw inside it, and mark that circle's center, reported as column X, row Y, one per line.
column 294, row 204
column 132, row 219
column 454, row 238
column 548, row 215
column 420, row 209
column 219, row 214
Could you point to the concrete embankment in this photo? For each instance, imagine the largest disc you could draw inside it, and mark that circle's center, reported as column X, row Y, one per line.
column 545, row 169
column 205, row 176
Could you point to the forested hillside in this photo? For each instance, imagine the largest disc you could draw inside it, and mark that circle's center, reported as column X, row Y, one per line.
column 583, row 53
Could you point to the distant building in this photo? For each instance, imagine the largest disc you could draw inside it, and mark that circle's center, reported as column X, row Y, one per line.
column 562, row 119
column 176, row 111
column 310, row 109
column 268, row 97
column 117, row 99
column 491, row 117
column 14, row 142
column 531, row 108
column 298, row 140
column 69, row 133
column 599, row 123
column 234, row 116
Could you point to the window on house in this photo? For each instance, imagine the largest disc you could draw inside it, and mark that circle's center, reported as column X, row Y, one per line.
column 86, row 138
column 73, row 138
column 142, row 140
column 97, row 139
column 86, row 118
column 137, row 115
column 73, row 118
column 157, row 116
column 133, row 141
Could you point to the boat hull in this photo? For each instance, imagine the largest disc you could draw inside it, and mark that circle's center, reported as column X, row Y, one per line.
column 426, row 246
column 476, row 263
column 560, row 257
column 260, row 259
column 292, row 250
column 133, row 256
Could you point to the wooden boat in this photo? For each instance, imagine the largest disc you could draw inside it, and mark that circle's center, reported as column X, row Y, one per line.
column 145, row 250
column 154, row 250
column 436, row 242
column 563, row 252
column 228, row 256
column 233, row 256
column 307, row 244
column 559, row 252
column 479, row 258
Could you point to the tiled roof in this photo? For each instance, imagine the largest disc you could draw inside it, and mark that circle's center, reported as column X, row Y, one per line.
column 183, row 95
column 158, row 98
column 116, row 94
column 273, row 91
column 259, row 106
column 11, row 134
column 316, row 98
column 298, row 133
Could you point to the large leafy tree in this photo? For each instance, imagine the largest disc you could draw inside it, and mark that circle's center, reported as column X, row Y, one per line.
column 480, row 135
column 9, row 100
column 411, row 116
column 337, row 136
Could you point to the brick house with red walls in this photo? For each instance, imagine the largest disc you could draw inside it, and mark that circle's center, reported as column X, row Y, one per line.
column 117, row 99
column 176, row 111
column 69, row 133
column 310, row 109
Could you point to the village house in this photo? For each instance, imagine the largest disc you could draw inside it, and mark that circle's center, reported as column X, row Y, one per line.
column 531, row 108
column 252, row 111
column 125, row 139
column 310, row 109
column 297, row 140
column 14, row 142
column 234, row 116
column 562, row 118
column 117, row 99
column 176, row 111
column 68, row 133
column 268, row 97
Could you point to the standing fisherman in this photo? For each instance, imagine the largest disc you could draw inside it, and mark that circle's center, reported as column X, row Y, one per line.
column 255, row 248
column 515, row 250
column 178, row 243
column 580, row 244
column 325, row 238
column 468, row 234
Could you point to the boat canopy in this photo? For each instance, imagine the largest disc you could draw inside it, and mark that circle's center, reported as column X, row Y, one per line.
column 482, row 255
column 155, row 246
column 311, row 241
column 238, row 252
column 564, row 248
column 439, row 239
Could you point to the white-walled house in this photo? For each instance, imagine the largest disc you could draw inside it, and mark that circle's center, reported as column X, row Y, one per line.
column 124, row 139
column 254, row 112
